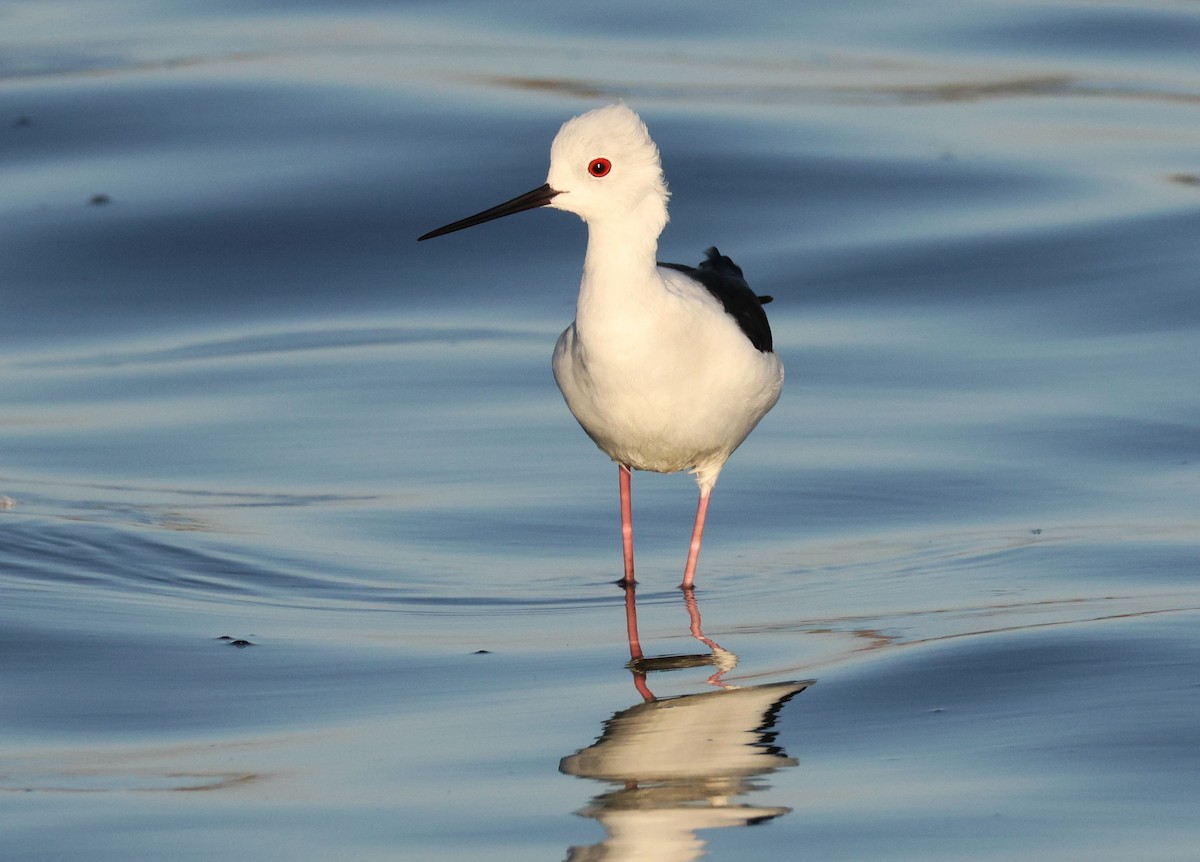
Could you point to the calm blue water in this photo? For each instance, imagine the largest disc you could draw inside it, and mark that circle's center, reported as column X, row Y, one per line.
column 954, row 576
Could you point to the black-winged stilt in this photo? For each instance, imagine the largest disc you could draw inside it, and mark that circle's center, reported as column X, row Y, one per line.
column 667, row 367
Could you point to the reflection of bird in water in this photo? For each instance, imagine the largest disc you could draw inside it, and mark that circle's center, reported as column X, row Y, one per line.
column 719, row 657
column 667, row 367
column 677, row 763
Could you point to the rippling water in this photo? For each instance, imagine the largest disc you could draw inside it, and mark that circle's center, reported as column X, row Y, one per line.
column 948, row 598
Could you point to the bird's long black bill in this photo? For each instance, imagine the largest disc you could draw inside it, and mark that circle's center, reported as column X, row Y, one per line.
column 539, row 197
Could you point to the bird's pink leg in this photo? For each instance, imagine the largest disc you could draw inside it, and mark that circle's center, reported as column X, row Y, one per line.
column 689, row 572
column 626, row 522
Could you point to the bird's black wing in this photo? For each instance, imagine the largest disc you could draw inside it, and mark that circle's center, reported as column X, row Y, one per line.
column 723, row 279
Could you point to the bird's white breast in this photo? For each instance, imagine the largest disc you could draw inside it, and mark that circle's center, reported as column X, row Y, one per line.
column 667, row 382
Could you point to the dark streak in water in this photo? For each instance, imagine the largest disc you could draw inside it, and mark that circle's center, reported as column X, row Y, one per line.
column 564, row 86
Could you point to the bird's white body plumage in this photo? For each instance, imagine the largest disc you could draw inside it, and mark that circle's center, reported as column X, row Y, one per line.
column 665, row 381
column 653, row 368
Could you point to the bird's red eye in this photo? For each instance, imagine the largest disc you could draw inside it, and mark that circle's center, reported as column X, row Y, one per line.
column 599, row 167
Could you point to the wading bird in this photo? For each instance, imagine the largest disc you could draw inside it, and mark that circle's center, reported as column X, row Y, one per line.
column 667, row 367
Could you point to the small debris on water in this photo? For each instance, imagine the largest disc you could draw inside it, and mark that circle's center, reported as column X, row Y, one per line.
column 240, row 643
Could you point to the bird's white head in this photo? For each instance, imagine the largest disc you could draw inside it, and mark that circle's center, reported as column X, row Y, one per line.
column 605, row 169
column 604, row 166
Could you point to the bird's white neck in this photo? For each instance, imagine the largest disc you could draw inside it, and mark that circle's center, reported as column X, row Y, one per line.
column 620, row 270
column 619, row 279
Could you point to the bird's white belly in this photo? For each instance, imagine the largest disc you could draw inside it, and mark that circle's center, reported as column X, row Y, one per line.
column 667, row 402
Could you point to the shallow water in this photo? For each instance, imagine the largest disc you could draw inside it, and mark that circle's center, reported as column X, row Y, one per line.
column 952, row 576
